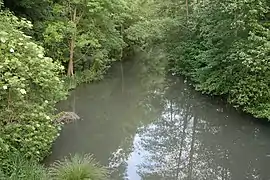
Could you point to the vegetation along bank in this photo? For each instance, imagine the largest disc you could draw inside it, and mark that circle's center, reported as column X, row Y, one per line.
column 223, row 47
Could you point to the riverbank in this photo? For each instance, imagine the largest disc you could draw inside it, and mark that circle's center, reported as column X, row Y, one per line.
column 223, row 47
column 225, row 100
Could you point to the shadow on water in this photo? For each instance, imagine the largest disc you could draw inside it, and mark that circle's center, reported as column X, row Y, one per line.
column 149, row 127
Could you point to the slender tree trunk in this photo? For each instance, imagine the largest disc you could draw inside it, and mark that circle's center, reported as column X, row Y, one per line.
column 72, row 47
column 71, row 57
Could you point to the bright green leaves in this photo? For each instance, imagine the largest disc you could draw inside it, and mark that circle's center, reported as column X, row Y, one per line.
column 55, row 32
column 28, row 79
column 223, row 46
column 83, row 32
column 91, row 33
column 93, row 27
column 226, row 51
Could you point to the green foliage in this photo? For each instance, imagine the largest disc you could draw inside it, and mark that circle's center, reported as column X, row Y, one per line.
column 73, row 168
column 30, row 87
column 90, row 34
column 26, row 169
column 227, row 52
column 87, row 76
column 78, row 168
column 29, row 8
column 2, row 175
column 95, row 26
column 222, row 46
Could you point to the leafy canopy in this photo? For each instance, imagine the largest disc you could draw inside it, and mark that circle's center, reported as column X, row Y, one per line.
column 30, row 86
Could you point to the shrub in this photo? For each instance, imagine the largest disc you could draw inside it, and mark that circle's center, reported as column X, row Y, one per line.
column 225, row 51
column 30, row 87
column 78, row 168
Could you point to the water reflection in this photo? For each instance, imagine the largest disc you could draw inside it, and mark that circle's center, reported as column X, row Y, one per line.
column 163, row 131
column 193, row 140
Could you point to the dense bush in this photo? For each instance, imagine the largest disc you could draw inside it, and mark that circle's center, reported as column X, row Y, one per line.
column 84, row 35
column 222, row 46
column 81, row 36
column 227, row 51
column 30, row 87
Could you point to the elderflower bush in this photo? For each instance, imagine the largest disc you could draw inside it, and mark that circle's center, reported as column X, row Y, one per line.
column 29, row 89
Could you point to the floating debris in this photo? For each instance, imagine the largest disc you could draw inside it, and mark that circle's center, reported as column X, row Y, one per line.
column 67, row 117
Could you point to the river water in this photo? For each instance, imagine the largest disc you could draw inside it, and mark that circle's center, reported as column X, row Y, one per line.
column 145, row 126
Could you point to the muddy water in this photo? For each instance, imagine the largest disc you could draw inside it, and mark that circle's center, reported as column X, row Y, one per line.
column 152, row 127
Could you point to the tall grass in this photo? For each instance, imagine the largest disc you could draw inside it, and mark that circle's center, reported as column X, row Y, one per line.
column 78, row 168
column 70, row 168
column 25, row 169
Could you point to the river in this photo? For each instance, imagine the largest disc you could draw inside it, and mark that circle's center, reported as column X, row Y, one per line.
column 154, row 127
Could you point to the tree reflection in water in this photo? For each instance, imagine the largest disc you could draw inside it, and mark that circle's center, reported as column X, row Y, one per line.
column 151, row 128
column 192, row 140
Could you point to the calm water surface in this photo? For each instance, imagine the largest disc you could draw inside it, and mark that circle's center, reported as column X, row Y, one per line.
column 144, row 126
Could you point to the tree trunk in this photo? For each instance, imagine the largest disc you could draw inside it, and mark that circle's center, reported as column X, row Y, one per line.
column 70, row 71
column 71, row 57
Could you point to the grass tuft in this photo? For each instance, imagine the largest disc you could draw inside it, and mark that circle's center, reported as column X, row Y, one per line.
column 78, row 168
